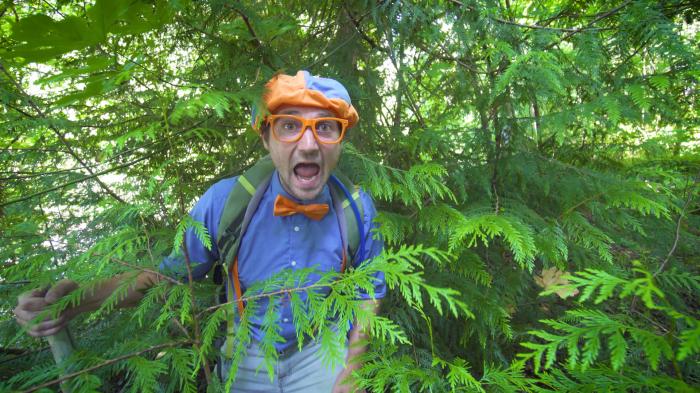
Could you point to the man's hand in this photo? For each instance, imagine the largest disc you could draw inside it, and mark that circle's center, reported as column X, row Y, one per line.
column 345, row 381
column 33, row 303
column 357, row 339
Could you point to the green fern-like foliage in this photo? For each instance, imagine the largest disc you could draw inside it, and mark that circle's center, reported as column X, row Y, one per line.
column 624, row 341
column 504, row 144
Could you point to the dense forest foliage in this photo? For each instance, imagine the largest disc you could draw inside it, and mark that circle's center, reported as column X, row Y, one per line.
column 536, row 165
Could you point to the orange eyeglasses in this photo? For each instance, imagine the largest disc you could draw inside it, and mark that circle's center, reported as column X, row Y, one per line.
column 290, row 128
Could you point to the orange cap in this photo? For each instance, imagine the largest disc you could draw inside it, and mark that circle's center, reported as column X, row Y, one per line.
column 304, row 89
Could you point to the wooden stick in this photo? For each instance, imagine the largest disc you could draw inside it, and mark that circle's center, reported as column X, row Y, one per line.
column 62, row 346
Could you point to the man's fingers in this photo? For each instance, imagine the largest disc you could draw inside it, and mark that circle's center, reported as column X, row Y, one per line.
column 44, row 328
column 22, row 316
column 25, row 316
column 30, row 296
column 61, row 289
column 32, row 304
column 38, row 292
column 50, row 332
column 48, row 328
column 34, row 332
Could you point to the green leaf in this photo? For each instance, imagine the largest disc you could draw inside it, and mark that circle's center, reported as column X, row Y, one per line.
column 638, row 95
column 660, row 82
column 618, row 350
column 42, row 38
column 689, row 342
column 92, row 64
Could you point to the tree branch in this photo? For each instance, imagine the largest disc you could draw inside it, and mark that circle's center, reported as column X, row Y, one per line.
column 143, row 269
column 273, row 293
column 257, row 40
column 571, row 30
column 367, row 38
column 60, row 136
column 538, row 27
column 678, row 226
column 592, row 22
column 104, row 364
column 58, row 187
column 583, row 202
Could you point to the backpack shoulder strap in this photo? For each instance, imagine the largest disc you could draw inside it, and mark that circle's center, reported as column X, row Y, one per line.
column 353, row 212
column 238, row 210
column 232, row 218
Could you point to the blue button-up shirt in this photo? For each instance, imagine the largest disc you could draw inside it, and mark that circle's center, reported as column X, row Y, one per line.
column 272, row 244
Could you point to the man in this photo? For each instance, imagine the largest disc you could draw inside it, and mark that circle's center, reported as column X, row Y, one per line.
column 294, row 226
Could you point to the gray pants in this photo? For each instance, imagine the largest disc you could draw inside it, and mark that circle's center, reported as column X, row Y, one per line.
column 295, row 372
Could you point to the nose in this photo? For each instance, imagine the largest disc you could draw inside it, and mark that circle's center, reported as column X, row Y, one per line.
column 308, row 140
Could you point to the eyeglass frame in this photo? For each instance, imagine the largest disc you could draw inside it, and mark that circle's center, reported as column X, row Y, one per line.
column 307, row 123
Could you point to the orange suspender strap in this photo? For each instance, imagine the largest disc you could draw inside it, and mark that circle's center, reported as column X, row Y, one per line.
column 342, row 264
column 228, row 345
column 237, row 286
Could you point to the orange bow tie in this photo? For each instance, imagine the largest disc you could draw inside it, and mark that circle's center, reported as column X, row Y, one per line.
column 286, row 207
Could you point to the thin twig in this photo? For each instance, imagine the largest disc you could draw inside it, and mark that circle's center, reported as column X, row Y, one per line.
column 398, row 66
column 592, row 22
column 104, row 364
column 583, row 202
column 32, row 149
column 21, row 282
column 571, row 30
column 55, row 8
column 143, row 269
column 273, row 293
column 88, row 177
column 179, row 326
column 24, row 353
column 678, row 226
column 537, row 27
column 332, row 52
column 659, row 326
column 258, row 42
column 364, row 35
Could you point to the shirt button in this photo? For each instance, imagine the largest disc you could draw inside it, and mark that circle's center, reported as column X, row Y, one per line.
column 294, row 263
column 296, row 229
column 285, row 320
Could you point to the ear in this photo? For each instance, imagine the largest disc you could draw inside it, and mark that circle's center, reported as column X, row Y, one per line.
column 265, row 142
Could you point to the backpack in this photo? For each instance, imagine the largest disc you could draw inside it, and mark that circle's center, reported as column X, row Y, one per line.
column 242, row 203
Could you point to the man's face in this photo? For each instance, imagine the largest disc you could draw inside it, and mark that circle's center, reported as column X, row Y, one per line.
column 305, row 165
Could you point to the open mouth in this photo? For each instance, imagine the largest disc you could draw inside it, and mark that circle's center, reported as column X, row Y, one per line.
column 307, row 173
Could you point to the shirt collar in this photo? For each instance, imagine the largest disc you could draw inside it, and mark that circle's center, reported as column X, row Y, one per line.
column 276, row 188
